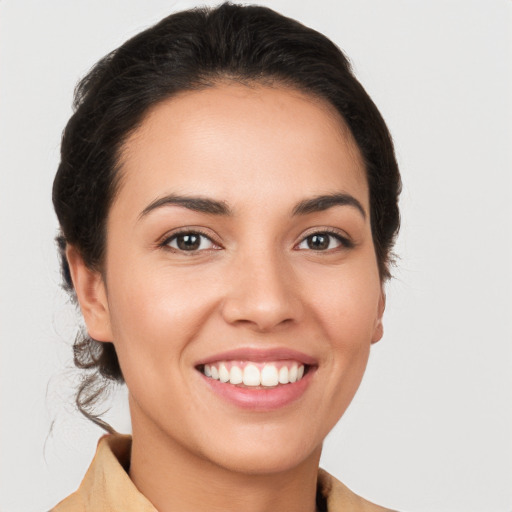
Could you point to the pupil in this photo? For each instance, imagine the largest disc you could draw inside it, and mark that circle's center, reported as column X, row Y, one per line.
column 188, row 242
column 318, row 242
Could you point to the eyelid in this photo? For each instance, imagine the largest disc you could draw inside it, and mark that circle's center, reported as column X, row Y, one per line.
column 164, row 241
column 345, row 240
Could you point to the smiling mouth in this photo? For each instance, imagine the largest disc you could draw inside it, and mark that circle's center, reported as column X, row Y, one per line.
column 252, row 374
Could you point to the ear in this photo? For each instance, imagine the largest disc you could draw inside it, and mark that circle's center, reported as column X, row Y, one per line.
column 91, row 294
column 379, row 328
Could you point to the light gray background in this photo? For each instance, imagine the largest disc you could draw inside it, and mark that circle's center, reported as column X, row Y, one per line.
column 430, row 429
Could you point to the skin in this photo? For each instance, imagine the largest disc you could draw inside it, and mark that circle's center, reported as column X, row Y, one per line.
column 254, row 282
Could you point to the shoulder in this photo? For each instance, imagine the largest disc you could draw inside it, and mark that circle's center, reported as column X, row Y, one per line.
column 106, row 485
column 340, row 498
column 72, row 503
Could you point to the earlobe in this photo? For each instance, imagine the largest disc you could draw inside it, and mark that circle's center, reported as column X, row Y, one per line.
column 91, row 294
column 378, row 331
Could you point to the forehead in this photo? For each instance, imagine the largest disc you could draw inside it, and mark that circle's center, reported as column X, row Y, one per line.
column 232, row 140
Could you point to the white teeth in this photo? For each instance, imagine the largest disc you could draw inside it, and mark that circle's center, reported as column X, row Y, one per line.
column 252, row 375
column 235, row 375
column 269, row 375
column 223, row 373
column 292, row 376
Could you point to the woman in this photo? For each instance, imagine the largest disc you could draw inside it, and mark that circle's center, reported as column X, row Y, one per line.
column 227, row 196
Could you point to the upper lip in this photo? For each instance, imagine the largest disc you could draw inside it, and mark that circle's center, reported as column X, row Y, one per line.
column 260, row 356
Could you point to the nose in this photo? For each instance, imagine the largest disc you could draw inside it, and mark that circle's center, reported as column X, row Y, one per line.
column 262, row 293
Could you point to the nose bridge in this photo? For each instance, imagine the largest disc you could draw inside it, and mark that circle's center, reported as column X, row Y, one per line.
column 261, row 290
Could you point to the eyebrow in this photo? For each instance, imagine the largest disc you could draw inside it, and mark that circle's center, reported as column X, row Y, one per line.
column 214, row 207
column 198, row 204
column 324, row 202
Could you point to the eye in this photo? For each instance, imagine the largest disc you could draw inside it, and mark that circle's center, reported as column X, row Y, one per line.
column 190, row 241
column 324, row 241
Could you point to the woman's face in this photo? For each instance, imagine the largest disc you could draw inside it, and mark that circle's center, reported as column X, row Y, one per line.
column 239, row 245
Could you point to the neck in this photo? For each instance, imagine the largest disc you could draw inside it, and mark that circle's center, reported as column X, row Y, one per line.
column 173, row 478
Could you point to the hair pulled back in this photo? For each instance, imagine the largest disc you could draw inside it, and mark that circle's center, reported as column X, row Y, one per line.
column 191, row 50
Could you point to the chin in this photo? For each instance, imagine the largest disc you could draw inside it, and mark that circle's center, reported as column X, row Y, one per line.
column 264, row 463
column 268, row 454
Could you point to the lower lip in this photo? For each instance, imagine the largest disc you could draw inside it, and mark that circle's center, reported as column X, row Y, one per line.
column 260, row 399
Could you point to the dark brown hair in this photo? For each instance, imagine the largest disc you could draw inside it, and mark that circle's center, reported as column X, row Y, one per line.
column 190, row 50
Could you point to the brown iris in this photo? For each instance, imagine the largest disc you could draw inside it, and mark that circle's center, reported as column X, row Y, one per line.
column 188, row 241
column 318, row 242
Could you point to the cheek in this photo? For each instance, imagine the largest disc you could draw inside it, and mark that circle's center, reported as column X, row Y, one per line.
column 348, row 306
column 153, row 321
column 347, row 311
column 145, row 311
column 156, row 312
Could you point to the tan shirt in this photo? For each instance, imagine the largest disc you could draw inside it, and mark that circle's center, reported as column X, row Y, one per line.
column 107, row 487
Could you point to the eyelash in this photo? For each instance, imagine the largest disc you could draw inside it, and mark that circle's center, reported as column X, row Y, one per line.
column 344, row 242
column 165, row 243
